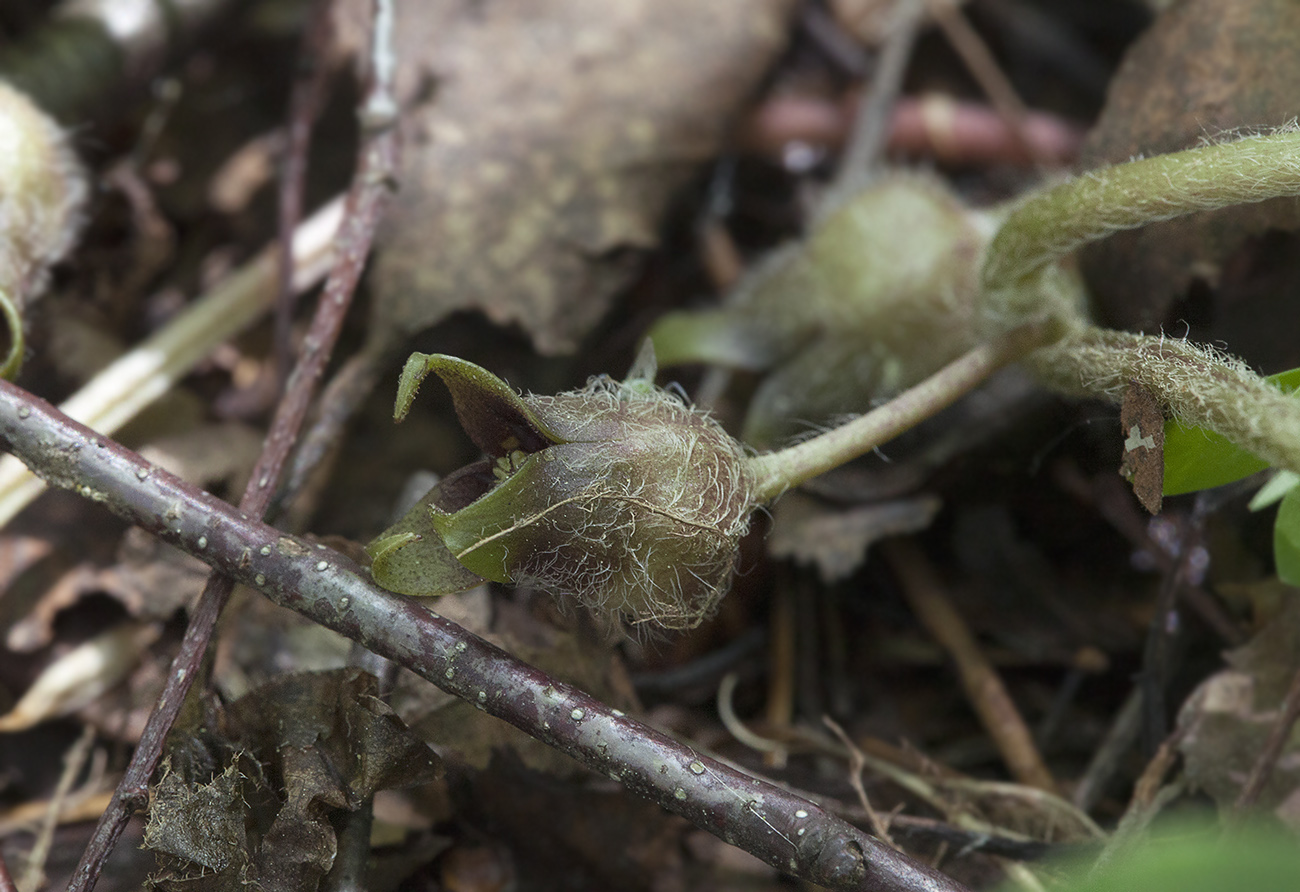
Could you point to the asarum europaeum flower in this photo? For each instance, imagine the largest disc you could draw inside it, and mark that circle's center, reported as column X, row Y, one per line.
column 618, row 496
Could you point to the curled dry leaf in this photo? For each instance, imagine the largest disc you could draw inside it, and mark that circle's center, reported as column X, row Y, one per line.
column 81, row 675
column 552, row 140
column 266, row 820
column 835, row 538
column 1231, row 714
column 1205, row 68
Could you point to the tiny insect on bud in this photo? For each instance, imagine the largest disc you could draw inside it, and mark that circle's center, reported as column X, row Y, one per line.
column 618, row 496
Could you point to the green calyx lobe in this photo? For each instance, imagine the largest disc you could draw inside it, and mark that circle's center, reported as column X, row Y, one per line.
column 618, row 496
column 412, row 557
column 496, row 418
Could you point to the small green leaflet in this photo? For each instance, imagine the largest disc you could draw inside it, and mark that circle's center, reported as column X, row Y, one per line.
column 1199, row 459
column 1286, row 538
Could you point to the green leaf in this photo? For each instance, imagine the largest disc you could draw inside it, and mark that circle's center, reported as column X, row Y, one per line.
column 410, row 558
column 1199, row 459
column 1201, row 861
column 496, row 418
column 1273, row 492
column 1286, row 538
column 733, row 338
column 491, row 535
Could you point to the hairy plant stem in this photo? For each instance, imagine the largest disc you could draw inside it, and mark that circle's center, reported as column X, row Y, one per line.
column 783, row 829
column 775, row 472
column 1050, row 224
column 1200, row 386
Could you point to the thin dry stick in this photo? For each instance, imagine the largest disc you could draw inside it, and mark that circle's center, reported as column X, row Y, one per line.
column 858, row 762
column 782, row 654
column 6, row 881
column 73, row 761
column 376, row 167
column 1277, row 739
column 1149, row 797
column 1108, row 759
column 1149, row 781
column 735, row 727
column 983, row 685
column 306, row 100
column 784, row 830
column 866, row 143
column 984, row 68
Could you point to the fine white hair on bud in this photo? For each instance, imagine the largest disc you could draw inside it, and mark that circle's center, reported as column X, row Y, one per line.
column 618, row 496
column 651, row 499
column 42, row 194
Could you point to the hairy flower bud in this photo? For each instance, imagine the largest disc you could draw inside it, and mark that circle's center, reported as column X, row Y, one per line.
column 42, row 193
column 618, row 496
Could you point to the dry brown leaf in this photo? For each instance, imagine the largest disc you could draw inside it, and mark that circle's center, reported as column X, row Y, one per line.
column 1142, row 423
column 151, row 579
column 554, row 135
column 1229, row 716
column 267, row 819
column 1204, row 68
column 82, row 675
column 835, row 539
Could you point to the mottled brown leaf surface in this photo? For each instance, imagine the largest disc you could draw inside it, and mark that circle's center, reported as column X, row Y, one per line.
column 1204, row 68
column 834, row 538
column 1231, row 714
column 1142, row 423
column 319, row 743
column 553, row 136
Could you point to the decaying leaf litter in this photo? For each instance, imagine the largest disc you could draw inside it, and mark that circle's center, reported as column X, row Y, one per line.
column 1043, row 554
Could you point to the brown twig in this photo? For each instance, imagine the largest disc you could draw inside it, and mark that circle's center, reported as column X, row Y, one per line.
column 1107, row 760
column 784, row 830
column 1149, row 781
column 6, row 881
column 1149, row 797
column 979, row 61
column 950, row 131
column 74, row 760
column 376, row 167
column 1278, row 736
column 870, row 130
column 857, row 763
column 983, row 685
column 306, row 100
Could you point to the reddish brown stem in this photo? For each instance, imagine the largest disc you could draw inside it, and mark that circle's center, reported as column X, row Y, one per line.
column 783, row 829
column 375, row 170
column 305, row 103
